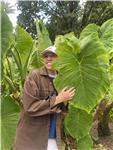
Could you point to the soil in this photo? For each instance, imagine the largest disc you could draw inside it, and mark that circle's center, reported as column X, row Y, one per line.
column 106, row 142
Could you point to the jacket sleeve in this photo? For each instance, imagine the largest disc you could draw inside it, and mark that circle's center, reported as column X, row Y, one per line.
column 33, row 106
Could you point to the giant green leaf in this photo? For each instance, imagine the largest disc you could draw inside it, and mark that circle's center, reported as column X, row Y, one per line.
column 6, row 32
column 36, row 60
column 43, row 42
column 89, row 29
column 110, row 91
column 23, row 44
column 85, row 143
column 9, row 118
column 43, row 36
column 104, row 32
column 85, row 69
column 78, row 122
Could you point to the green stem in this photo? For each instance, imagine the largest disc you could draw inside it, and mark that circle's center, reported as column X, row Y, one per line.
column 27, row 63
column 19, row 65
column 9, row 66
column 11, row 84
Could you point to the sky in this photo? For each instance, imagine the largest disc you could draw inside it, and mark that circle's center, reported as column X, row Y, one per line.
column 13, row 16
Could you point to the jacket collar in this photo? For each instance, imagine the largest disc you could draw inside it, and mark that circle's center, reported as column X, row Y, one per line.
column 43, row 71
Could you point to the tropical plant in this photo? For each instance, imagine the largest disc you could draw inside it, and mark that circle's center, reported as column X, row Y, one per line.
column 8, row 7
column 42, row 41
column 85, row 64
column 62, row 17
column 9, row 110
column 18, row 48
column 9, row 118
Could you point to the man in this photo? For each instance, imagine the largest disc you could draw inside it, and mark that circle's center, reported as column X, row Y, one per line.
column 39, row 127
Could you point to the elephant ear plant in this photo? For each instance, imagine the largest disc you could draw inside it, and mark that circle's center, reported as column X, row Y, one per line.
column 18, row 48
column 43, row 41
column 9, row 109
column 105, row 34
column 84, row 64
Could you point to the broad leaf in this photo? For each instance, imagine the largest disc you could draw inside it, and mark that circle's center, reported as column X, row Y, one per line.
column 85, row 143
column 6, row 32
column 78, row 122
column 89, row 29
column 105, row 33
column 9, row 118
column 43, row 42
column 36, row 60
column 23, row 44
column 87, row 70
column 43, row 36
column 110, row 91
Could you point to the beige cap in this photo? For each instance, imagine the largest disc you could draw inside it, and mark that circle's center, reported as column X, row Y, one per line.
column 50, row 49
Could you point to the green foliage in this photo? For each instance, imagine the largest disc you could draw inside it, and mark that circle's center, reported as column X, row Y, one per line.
column 11, row 78
column 84, row 64
column 62, row 17
column 36, row 60
column 42, row 43
column 78, row 124
column 83, row 61
column 85, row 143
column 6, row 32
column 75, row 126
column 7, row 7
column 84, row 70
column 19, row 54
column 88, row 30
column 105, row 33
column 110, row 92
column 9, row 118
column 43, row 36
column 23, row 44
column 17, row 61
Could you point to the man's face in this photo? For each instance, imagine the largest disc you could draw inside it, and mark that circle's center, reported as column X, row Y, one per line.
column 48, row 59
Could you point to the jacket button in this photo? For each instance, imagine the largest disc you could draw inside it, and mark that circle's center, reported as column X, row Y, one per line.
column 50, row 83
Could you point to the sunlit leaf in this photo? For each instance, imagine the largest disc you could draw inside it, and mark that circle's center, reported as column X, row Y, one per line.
column 85, row 143
column 87, row 70
column 23, row 44
column 75, row 120
column 6, row 32
column 43, row 36
column 9, row 119
column 43, row 42
column 104, row 32
column 106, row 35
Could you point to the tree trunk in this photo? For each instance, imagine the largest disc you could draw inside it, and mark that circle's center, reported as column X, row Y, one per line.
column 102, row 115
column 103, row 125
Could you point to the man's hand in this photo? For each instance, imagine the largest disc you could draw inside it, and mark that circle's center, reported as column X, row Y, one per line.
column 65, row 95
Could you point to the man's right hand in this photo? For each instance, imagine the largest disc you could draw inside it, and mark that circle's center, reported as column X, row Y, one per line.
column 65, row 95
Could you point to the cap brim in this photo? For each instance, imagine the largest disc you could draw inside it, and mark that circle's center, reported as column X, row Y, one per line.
column 48, row 51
